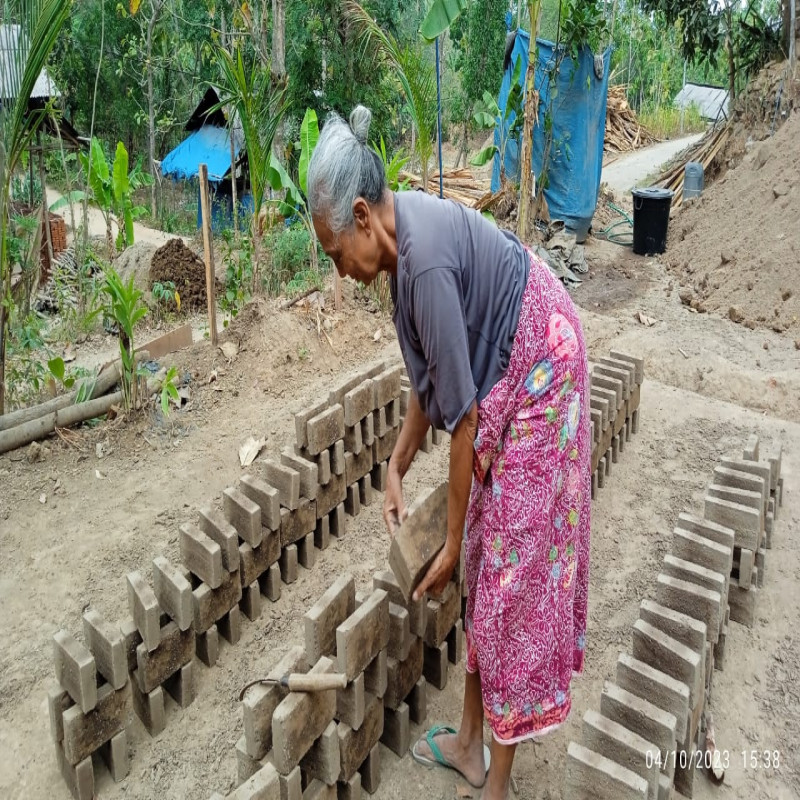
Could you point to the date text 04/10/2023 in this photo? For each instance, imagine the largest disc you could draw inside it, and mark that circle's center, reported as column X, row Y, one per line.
column 749, row 759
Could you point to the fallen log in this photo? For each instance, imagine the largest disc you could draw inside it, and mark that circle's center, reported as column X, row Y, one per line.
column 62, row 418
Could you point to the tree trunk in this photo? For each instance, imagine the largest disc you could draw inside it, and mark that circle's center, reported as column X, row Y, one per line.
column 278, row 40
column 151, row 111
column 3, row 332
column 524, row 220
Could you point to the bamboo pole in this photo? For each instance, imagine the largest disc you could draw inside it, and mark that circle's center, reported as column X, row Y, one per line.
column 208, row 253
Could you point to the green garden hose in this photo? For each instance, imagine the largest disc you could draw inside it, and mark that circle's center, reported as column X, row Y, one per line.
column 623, row 237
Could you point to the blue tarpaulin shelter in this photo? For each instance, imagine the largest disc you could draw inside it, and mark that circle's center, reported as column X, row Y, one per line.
column 208, row 145
column 578, row 120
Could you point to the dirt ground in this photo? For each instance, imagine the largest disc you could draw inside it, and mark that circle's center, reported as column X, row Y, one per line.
column 709, row 383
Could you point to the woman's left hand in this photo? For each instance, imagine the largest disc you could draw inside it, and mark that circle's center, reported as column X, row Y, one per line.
column 439, row 572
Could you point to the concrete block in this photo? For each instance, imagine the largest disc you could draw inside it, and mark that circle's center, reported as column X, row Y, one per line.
column 230, row 626
column 685, row 770
column 255, row 561
column 338, row 521
column 317, row 790
column 750, row 450
column 719, row 649
column 306, row 554
column 363, row 634
column 214, row 525
column 325, row 616
column 79, row 778
column 207, row 646
column 323, row 462
column 245, row 513
column 383, row 446
column 623, row 747
column 297, row 524
column 291, row 786
column 694, row 573
column 353, row 443
column 703, row 527
column 288, row 564
column 702, row 550
column 365, row 491
column 455, row 643
column 601, row 381
column 350, row 703
column 610, row 397
column 131, row 640
column 379, row 422
column 115, row 755
column 760, row 561
column 669, row 655
column 175, row 649
column 738, row 479
column 299, row 720
column 84, row 733
column 325, row 429
column 435, row 665
column 75, row 670
column 261, row 700
column 201, row 555
column 337, row 457
column 355, row 746
column 349, row 790
column 746, row 522
column 368, row 432
column 210, row 605
column 376, row 675
column 442, row 615
column 403, row 675
column 589, row 774
column 108, row 648
column 426, row 445
column 747, row 561
column 379, row 476
column 397, row 729
column 306, row 468
column 322, row 533
column 417, row 610
column 417, row 701
column 419, row 539
column 181, row 685
column 359, row 402
column 386, row 386
column 144, row 609
column 285, row 483
column 250, row 604
column 691, row 599
column 393, row 416
column 622, row 375
column 685, row 629
column 301, row 418
column 742, row 603
column 270, row 583
column 246, row 766
column 745, row 497
column 371, row 770
column 774, row 458
column 58, row 701
column 638, row 364
column 642, row 718
column 173, row 592
column 352, row 501
column 357, row 466
column 321, row 762
column 264, row 785
column 149, row 707
column 331, row 495
column 399, row 632
column 664, row 787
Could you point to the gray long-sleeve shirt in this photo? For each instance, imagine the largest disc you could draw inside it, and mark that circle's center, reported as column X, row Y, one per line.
column 457, row 297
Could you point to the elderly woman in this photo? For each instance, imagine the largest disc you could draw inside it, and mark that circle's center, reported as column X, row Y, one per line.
column 496, row 356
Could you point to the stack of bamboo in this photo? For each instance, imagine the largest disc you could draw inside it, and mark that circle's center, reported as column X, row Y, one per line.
column 706, row 151
column 624, row 132
column 458, row 184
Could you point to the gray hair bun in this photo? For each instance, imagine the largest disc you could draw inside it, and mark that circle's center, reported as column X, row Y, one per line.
column 360, row 119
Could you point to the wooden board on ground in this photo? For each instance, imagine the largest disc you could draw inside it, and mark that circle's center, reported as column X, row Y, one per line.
column 170, row 342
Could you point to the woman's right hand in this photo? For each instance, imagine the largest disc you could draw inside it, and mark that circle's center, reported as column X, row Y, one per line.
column 394, row 509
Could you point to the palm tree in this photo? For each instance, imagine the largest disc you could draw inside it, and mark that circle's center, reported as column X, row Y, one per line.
column 415, row 74
column 40, row 22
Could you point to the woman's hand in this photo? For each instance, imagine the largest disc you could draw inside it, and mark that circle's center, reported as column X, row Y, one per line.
column 394, row 508
column 439, row 573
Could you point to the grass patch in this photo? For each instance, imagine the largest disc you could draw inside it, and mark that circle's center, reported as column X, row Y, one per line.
column 664, row 122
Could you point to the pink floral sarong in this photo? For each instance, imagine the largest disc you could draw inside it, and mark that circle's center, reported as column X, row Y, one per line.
column 527, row 530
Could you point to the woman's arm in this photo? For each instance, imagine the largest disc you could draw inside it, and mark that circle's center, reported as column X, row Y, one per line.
column 415, row 426
column 462, row 448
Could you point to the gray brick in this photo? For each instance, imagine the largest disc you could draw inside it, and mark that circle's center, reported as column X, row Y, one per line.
column 590, row 775
column 255, row 561
column 108, row 648
column 201, row 555
column 331, row 495
column 357, row 466
column 84, row 733
column 325, row 616
column 350, row 703
column 173, row 592
column 363, row 634
column 306, row 554
column 210, row 605
column 214, row 525
column 638, row 364
column 288, row 564
column 703, row 551
column 387, row 386
column 689, row 598
column 354, row 746
column 244, row 514
column 376, row 675
column 359, row 402
column 746, row 522
column 298, row 523
column 175, row 649
column 149, row 708
column 417, row 610
column 306, row 469
column 353, row 442
column 144, row 609
column 403, row 675
column 685, row 629
column 301, row 418
column 282, row 486
column 79, row 778
column 325, row 429
column 321, row 762
column 75, row 670
column 337, row 457
column 115, row 755
column 58, row 701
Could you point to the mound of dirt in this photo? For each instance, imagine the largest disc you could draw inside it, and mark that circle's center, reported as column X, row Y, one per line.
column 736, row 249
column 175, row 262
column 135, row 260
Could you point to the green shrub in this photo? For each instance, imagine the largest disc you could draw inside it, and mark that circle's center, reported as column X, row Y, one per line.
column 664, row 122
column 289, row 263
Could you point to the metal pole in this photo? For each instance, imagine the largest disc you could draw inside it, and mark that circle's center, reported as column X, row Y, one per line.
column 439, row 119
column 683, row 104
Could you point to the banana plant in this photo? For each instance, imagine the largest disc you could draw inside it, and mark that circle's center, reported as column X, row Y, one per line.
column 507, row 121
column 441, row 15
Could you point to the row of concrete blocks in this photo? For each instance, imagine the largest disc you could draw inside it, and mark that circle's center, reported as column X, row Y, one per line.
column 615, row 392
column 327, row 745
column 646, row 739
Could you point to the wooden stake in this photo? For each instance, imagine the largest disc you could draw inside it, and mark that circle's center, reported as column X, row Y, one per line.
column 337, row 290
column 208, row 252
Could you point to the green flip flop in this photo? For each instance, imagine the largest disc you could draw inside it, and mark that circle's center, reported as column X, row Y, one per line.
column 438, row 758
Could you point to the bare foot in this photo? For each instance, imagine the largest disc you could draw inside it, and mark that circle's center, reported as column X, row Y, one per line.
column 467, row 758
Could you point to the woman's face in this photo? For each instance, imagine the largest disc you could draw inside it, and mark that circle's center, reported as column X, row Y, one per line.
column 355, row 251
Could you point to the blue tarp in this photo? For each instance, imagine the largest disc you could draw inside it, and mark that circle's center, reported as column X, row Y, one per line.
column 208, row 145
column 579, row 122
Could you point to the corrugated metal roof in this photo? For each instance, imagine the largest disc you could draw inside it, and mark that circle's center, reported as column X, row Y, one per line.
column 11, row 37
column 209, row 145
column 711, row 100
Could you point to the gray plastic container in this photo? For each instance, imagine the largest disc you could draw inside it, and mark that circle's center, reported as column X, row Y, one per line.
column 693, row 180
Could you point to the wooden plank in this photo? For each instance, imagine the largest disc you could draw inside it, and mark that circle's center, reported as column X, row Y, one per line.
column 170, row 342
column 208, row 253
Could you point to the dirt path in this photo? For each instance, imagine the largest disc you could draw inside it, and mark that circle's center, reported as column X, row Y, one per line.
column 630, row 169
column 709, row 384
